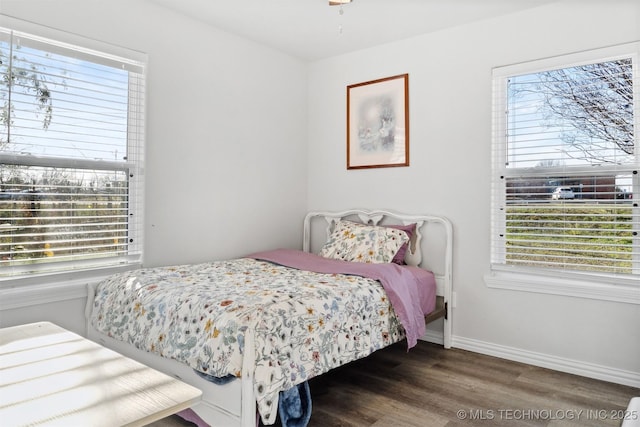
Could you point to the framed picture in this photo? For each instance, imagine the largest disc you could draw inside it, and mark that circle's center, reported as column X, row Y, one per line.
column 378, row 123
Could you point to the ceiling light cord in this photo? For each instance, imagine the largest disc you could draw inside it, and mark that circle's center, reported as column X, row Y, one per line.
column 340, row 11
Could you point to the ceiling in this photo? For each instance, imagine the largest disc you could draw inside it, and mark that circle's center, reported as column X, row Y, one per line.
column 312, row 30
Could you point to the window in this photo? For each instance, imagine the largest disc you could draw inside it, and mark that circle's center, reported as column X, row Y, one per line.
column 71, row 152
column 565, row 171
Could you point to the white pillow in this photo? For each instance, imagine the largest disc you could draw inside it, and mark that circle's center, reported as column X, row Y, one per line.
column 351, row 241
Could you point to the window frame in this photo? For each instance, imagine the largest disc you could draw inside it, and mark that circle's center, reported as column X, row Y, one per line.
column 96, row 51
column 600, row 286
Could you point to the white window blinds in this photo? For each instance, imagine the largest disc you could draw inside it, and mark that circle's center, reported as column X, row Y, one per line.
column 71, row 153
column 565, row 170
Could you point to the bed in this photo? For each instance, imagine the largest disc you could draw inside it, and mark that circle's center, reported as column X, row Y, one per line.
column 274, row 319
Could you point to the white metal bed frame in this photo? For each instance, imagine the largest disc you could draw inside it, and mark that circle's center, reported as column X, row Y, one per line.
column 234, row 404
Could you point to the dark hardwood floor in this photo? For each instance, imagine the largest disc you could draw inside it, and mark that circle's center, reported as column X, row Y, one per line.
column 433, row 387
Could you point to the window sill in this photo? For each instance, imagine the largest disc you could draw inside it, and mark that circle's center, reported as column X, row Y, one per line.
column 53, row 288
column 623, row 290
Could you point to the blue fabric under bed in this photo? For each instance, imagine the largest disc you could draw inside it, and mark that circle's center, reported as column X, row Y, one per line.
column 294, row 404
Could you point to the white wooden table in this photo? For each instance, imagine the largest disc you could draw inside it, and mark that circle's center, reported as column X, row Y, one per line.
column 51, row 376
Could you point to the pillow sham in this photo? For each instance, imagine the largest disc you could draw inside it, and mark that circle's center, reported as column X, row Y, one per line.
column 352, row 241
column 410, row 229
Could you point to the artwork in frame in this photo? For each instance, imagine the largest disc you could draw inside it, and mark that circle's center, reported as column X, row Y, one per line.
column 378, row 123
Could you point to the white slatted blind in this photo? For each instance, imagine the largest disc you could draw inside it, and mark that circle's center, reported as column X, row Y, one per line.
column 565, row 169
column 71, row 153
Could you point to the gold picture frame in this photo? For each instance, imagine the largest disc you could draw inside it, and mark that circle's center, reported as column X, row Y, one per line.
column 378, row 123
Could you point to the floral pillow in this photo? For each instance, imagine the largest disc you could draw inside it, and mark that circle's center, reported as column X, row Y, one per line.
column 351, row 241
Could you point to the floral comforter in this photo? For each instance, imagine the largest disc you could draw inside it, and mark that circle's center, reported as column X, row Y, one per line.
column 304, row 323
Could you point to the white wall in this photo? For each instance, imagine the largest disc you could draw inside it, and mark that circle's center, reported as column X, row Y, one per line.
column 450, row 139
column 226, row 130
column 228, row 127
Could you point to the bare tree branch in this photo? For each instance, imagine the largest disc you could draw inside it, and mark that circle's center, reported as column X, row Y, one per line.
column 596, row 101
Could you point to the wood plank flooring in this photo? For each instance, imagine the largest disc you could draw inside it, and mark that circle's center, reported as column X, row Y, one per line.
column 433, row 387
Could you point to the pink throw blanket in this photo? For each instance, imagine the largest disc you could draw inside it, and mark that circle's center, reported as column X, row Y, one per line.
column 411, row 290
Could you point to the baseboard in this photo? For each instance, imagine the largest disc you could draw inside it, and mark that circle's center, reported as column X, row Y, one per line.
column 561, row 364
column 433, row 336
